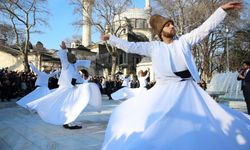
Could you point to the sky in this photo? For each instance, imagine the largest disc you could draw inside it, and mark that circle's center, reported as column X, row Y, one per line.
column 60, row 24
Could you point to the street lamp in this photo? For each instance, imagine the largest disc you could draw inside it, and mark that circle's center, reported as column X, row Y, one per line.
column 227, row 50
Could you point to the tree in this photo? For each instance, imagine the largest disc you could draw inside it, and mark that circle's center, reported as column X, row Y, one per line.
column 24, row 15
column 240, row 49
column 106, row 18
column 6, row 31
column 239, row 45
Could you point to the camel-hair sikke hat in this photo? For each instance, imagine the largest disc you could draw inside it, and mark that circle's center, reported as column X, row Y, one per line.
column 157, row 22
column 71, row 58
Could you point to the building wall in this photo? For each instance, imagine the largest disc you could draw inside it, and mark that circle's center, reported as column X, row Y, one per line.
column 16, row 62
column 10, row 61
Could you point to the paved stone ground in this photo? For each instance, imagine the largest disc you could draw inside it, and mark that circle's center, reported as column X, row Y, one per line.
column 22, row 130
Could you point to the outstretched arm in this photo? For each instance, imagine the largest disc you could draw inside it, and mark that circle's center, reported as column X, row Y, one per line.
column 34, row 69
column 211, row 23
column 83, row 63
column 54, row 73
column 62, row 53
column 141, row 48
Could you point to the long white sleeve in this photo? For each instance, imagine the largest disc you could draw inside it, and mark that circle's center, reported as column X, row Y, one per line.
column 63, row 57
column 141, row 48
column 202, row 31
column 83, row 63
column 54, row 73
column 34, row 69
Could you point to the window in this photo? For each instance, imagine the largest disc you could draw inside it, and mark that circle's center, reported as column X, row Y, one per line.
column 120, row 58
column 139, row 23
column 132, row 22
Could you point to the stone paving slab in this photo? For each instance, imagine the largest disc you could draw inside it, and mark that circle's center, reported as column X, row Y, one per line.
column 238, row 105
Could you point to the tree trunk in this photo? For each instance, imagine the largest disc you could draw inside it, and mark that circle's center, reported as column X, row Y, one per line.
column 26, row 50
column 206, row 68
column 206, row 63
column 114, row 65
column 26, row 62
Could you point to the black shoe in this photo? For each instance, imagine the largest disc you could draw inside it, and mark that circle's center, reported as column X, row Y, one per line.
column 72, row 127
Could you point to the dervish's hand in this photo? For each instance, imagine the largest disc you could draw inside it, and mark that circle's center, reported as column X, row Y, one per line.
column 105, row 37
column 63, row 45
column 232, row 5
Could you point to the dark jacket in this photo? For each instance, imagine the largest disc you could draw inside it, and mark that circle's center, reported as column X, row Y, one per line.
column 245, row 83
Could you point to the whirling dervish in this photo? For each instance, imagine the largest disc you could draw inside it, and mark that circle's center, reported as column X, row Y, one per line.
column 41, row 84
column 175, row 114
column 126, row 92
column 62, row 106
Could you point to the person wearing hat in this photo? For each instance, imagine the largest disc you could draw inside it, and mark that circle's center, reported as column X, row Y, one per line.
column 64, row 105
column 176, row 113
column 41, row 84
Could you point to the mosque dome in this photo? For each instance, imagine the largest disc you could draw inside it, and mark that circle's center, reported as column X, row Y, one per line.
column 134, row 13
column 135, row 18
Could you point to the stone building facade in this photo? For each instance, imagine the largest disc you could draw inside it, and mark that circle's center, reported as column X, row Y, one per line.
column 135, row 27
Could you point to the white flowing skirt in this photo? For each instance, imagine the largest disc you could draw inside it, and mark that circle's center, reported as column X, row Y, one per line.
column 65, row 104
column 126, row 93
column 34, row 95
column 176, row 116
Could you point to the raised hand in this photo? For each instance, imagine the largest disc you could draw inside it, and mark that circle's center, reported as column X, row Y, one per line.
column 232, row 5
column 105, row 37
column 63, row 45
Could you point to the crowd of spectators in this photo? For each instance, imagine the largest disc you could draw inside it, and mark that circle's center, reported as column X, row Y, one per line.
column 16, row 84
column 108, row 86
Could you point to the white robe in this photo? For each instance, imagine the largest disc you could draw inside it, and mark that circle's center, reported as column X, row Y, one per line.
column 126, row 92
column 41, row 90
column 125, row 82
column 175, row 114
column 63, row 105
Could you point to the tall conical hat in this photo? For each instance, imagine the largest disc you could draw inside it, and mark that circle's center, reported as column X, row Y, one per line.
column 157, row 22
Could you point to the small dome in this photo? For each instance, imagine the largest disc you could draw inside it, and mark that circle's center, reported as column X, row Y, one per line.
column 134, row 13
column 135, row 18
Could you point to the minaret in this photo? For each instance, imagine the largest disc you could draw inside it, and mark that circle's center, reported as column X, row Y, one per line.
column 86, row 29
column 147, row 5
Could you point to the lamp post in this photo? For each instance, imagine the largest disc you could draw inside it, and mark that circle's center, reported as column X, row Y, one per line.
column 227, row 50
